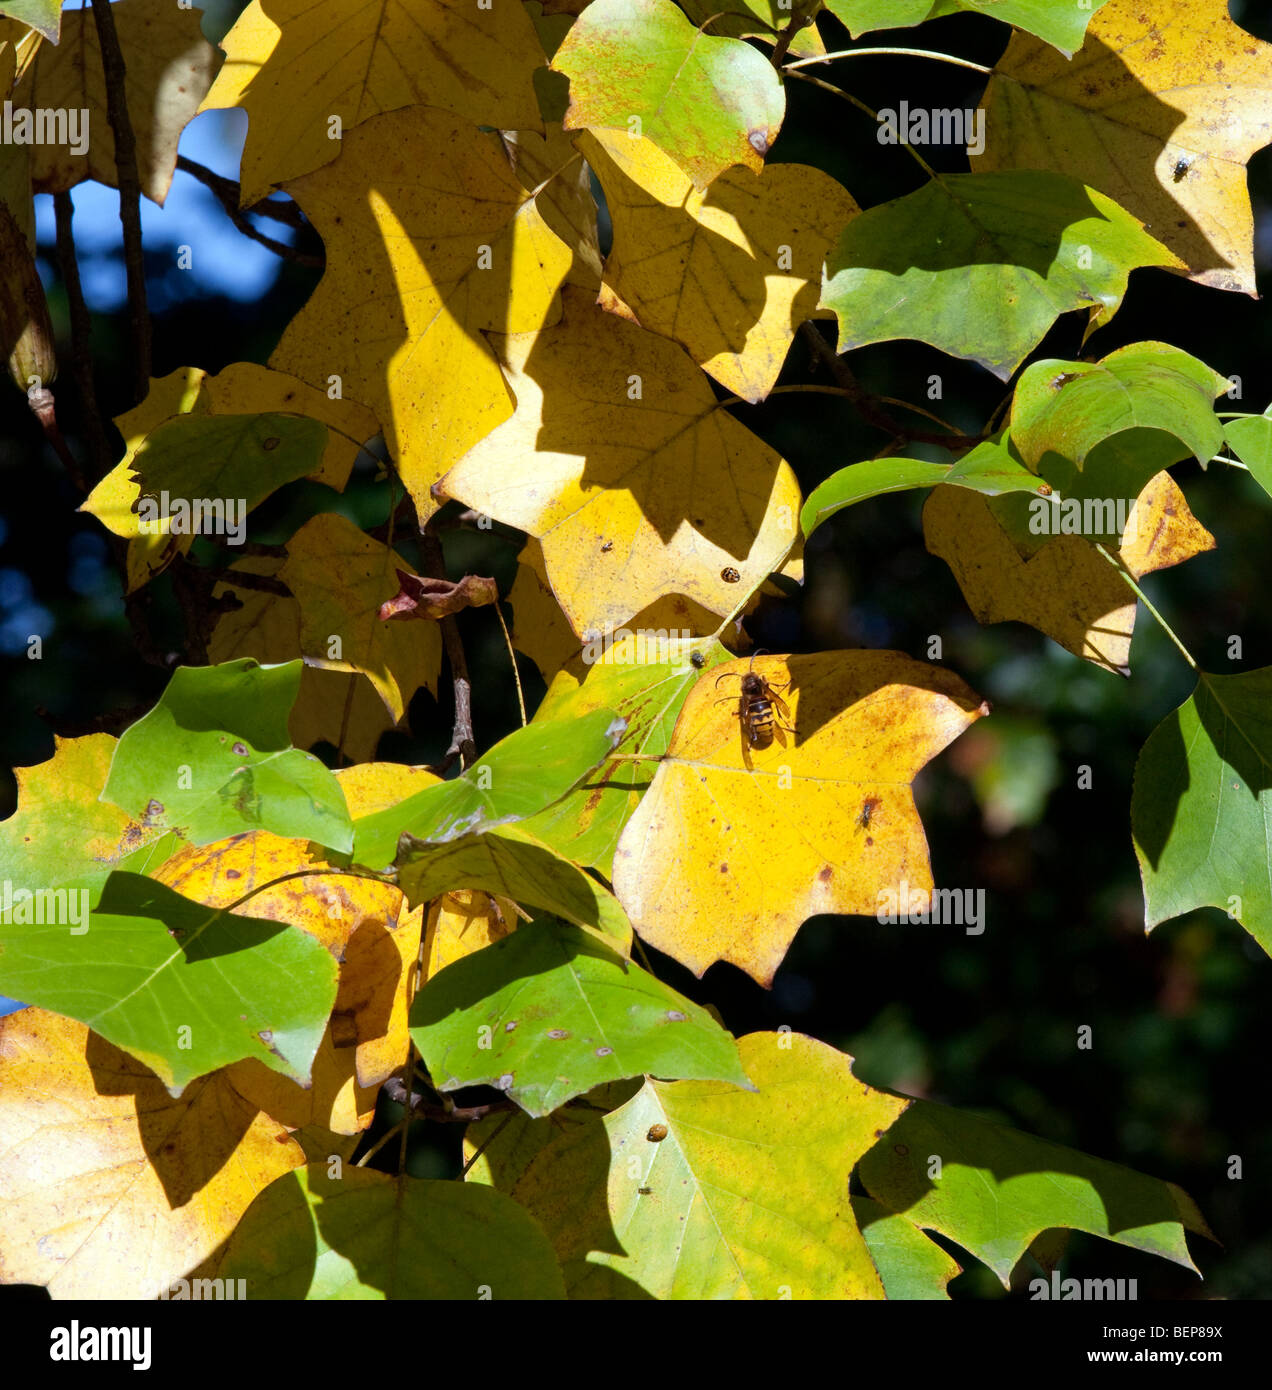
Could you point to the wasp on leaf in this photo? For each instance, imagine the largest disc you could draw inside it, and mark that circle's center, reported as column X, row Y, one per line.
column 759, row 723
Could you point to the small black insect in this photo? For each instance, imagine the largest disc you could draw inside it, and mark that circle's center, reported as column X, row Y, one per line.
column 609, row 545
column 1183, row 164
column 697, row 660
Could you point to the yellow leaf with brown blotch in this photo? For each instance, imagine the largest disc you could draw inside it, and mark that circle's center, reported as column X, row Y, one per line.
column 733, row 845
column 110, row 1188
column 293, row 65
column 1160, row 109
column 731, row 271
column 431, row 241
column 1065, row 587
column 620, row 461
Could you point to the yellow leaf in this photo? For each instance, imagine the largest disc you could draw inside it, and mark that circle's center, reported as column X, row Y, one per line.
column 292, row 65
column 431, row 241
column 377, row 977
column 463, row 922
column 169, row 64
column 1160, row 109
column 1066, row 588
column 731, row 271
column 110, row 1188
column 732, row 846
column 345, row 576
column 640, row 485
column 542, row 631
column 566, row 201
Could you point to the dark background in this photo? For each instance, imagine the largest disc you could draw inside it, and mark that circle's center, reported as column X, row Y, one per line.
column 1175, row 1082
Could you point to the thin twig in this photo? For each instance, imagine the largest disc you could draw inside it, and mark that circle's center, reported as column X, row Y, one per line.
column 129, row 194
column 868, row 405
column 244, row 579
column 512, row 656
column 889, row 52
column 226, row 192
column 485, row 1144
column 81, row 337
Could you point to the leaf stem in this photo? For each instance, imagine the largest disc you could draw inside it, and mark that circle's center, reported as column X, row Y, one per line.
column 889, row 52
column 512, row 656
column 1129, row 579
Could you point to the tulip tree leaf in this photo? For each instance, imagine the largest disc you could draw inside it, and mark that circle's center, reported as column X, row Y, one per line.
column 214, row 757
column 547, row 1013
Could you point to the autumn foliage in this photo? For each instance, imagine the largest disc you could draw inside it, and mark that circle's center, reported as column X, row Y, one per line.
column 562, row 262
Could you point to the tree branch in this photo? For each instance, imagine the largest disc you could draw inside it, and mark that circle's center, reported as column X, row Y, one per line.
column 462, row 745
column 227, row 193
column 869, row 407
column 129, row 194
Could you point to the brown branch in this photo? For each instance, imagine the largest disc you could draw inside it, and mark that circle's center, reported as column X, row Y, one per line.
column 868, row 406
column 244, row 579
column 462, row 745
column 81, row 337
column 421, row 1105
column 227, row 191
column 129, row 194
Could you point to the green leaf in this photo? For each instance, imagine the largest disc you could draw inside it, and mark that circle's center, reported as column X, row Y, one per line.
column 547, row 1013
column 998, row 1189
column 981, row 265
column 42, row 15
column 911, row 1266
column 699, row 1189
column 992, row 467
column 1062, row 25
column 1083, row 412
column 369, row 1235
column 182, row 987
column 1201, row 806
column 214, row 758
column 1251, row 440
column 62, row 831
column 859, row 481
column 523, row 773
column 708, row 102
column 585, row 825
column 229, row 459
column 511, row 863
